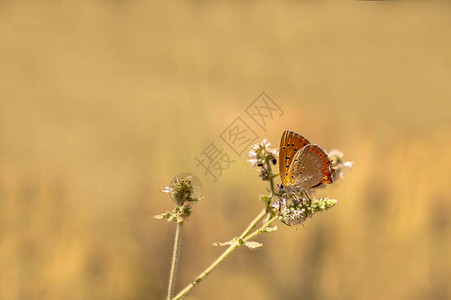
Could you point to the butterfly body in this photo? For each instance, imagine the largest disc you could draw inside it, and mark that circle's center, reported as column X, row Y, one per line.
column 302, row 165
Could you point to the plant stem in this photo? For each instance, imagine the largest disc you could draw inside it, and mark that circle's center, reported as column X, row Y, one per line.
column 251, row 226
column 261, row 229
column 175, row 258
column 271, row 180
column 199, row 278
column 237, row 242
column 226, row 253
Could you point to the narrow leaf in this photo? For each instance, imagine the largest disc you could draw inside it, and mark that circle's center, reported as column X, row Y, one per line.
column 270, row 229
column 223, row 244
column 163, row 216
column 253, row 245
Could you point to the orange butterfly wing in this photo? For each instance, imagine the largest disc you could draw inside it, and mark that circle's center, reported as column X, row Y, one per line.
column 311, row 167
column 290, row 143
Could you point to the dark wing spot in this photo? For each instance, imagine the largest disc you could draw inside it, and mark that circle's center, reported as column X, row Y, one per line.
column 295, row 149
column 286, row 174
column 316, row 185
column 292, row 144
column 287, row 166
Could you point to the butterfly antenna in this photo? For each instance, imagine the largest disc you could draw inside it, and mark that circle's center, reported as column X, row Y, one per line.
column 276, row 192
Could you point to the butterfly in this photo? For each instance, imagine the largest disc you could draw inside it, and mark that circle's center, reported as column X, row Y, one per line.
column 302, row 165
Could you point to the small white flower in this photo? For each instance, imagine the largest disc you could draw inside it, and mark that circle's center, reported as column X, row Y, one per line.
column 348, row 164
column 336, row 152
column 167, row 190
column 262, row 153
column 339, row 164
column 253, row 161
column 274, row 152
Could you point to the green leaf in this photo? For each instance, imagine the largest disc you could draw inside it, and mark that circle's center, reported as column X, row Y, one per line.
column 165, row 215
column 265, row 198
column 223, row 244
column 270, row 229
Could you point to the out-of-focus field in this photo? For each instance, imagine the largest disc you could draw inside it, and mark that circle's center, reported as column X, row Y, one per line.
column 102, row 103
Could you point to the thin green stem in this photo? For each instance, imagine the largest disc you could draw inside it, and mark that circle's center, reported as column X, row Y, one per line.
column 261, row 229
column 236, row 243
column 199, row 278
column 251, row 226
column 271, row 184
column 175, row 258
column 271, row 180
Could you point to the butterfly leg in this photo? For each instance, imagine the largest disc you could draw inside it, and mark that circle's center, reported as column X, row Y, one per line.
column 306, row 194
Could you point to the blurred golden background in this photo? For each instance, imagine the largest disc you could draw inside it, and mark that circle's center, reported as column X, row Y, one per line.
column 102, row 103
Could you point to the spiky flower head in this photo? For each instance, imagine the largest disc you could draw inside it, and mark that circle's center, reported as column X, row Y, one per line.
column 294, row 211
column 181, row 191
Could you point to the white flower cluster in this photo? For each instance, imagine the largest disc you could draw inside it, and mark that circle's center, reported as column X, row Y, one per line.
column 262, row 152
column 296, row 211
column 339, row 164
